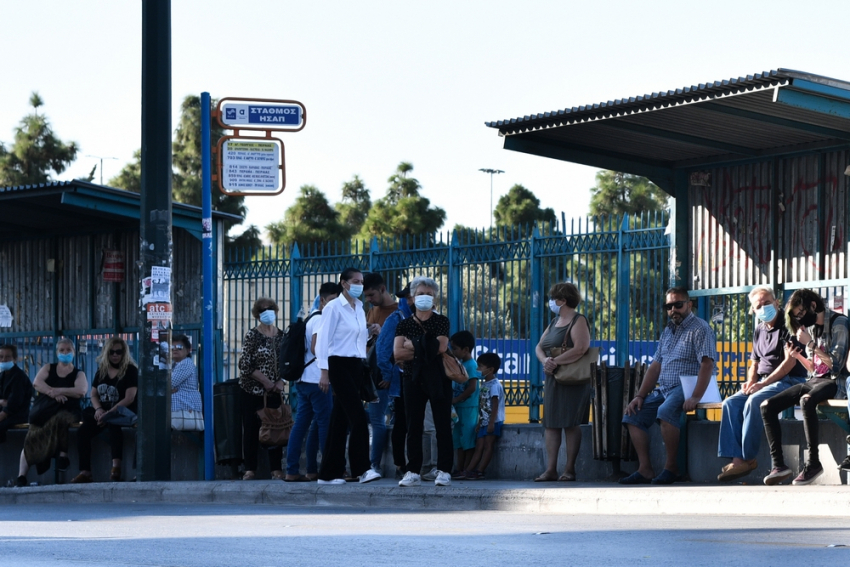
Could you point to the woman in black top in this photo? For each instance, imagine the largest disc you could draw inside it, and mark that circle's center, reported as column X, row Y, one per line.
column 114, row 386
column 56, row 407
column 420, row 340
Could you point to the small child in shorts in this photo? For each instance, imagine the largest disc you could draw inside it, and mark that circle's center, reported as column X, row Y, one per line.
column 465, row 402
column 491, row 414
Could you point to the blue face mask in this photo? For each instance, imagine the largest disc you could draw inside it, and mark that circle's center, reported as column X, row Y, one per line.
column 66, row 358
column 268, row 317
column 766, row 313
column 4, row 366
column 554, row 307
column 355, row 290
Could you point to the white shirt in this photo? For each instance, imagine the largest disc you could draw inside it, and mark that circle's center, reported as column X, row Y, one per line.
column 343, row 331
column 312, row 373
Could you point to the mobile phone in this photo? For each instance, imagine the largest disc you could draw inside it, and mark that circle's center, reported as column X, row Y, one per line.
column 792, row 341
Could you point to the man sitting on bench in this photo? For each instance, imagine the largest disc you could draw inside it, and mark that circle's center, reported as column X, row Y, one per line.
column 15, row 391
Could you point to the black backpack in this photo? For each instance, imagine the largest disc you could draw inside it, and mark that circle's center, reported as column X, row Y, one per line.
column 291, row 358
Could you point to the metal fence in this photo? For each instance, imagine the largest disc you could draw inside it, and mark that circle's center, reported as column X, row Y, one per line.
column 493, row 283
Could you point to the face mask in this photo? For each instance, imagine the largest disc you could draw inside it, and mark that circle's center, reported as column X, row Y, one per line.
column 4, row 366
column 355, row 290
column 809, row 319
column 423, row 302
column 66, row 358
column 268, row 317
column 766, row 313
column 554, row 307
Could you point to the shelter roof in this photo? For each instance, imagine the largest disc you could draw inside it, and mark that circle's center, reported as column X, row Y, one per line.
column 72, row 207
column 750, row 118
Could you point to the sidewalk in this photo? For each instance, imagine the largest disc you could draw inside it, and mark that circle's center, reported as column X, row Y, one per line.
column 550, row 497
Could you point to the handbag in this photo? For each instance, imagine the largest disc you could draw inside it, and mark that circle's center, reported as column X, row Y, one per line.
column 43, row 408
column 368, row 393
column 187, row 420
column 453, row 369
column 577, row 372
column 122, row 417
column 276, row 424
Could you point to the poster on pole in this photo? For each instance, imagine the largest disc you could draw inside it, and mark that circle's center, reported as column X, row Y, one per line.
column 251, row 166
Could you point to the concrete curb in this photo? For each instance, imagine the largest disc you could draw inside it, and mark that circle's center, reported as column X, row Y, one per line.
column 575, row 498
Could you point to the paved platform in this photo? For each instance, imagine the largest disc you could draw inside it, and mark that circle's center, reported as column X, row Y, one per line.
column 552, row 497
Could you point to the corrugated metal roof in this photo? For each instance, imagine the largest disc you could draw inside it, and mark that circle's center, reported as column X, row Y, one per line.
column 708, row 123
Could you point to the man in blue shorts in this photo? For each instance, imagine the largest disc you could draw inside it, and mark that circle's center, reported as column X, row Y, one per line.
column 687, row 347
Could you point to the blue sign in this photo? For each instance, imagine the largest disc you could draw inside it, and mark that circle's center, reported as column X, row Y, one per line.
column 260, row 115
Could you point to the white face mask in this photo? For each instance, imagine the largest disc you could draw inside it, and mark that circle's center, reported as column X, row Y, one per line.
column 355, row 290
column 268, row 317
column 554, row 307
column 423, row 302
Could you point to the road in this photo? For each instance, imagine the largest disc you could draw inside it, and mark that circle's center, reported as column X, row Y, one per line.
column 111, row 535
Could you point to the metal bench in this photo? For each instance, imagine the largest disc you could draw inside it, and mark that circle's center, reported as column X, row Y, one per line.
column 836, row 411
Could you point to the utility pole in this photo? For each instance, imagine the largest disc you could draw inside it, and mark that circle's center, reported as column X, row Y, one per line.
column 492, row 172
column 153, row 438
column 101, row 158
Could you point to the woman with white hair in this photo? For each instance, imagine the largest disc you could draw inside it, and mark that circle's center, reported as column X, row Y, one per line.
column 419, row 343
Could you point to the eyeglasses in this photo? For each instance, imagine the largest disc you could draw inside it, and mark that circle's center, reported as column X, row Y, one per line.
column 673, row 305
column 177, row 347
column 118, row 351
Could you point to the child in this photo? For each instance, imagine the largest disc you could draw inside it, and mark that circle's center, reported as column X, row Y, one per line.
column 465, row 402
column 492, row 414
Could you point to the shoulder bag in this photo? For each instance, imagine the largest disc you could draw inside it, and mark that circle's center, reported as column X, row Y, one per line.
column 187, row 420
column 578, row 372
column 276, row 424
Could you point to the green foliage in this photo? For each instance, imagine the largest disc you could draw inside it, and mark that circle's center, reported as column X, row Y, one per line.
column 130, row 176
column 310, row 220
column 402, row 211
column 355, row 204
column 521, row 208
column 35, row 152
column 622, row 193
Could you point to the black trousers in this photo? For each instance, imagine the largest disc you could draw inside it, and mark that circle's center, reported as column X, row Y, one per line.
column 809, row 394
column 347, row 417
column 399, row 433
column 251, row 431
column 415, row 400
column 88, row 431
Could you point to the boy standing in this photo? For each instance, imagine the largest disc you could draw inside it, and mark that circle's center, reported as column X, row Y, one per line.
column 491, row 414
column 465, row 402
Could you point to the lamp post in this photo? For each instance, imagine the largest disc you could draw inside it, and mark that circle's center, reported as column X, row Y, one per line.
column 101, row 158
column 491, row 172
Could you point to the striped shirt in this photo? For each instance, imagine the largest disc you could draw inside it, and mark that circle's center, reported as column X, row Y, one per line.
column 681, row 350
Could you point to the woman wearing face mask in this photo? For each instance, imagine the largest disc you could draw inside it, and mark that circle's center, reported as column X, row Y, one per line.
column 258, row 377
column 564, row 406
column 57, row 406
column 340, row 355
column 420, row 340
column 114, row 387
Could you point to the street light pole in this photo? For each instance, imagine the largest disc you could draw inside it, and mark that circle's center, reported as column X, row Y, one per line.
column 101, row 158
column 491, row 172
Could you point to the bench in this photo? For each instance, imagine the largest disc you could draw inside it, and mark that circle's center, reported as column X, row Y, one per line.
column 836, row 411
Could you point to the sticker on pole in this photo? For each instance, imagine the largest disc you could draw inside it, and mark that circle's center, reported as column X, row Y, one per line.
column 251, row 166
column 261, row 114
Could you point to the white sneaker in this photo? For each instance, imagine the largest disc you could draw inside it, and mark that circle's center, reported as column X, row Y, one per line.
column 334, row 481
column 369, row 476
column 410, row 479
column 431, row 475
column 443, row 479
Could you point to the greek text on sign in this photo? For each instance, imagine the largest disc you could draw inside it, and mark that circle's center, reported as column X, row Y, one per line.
column 251, row 165
column 273, row 116
column 159, row 311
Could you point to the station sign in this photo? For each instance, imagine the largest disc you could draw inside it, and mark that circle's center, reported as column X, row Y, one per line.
column 261, row 114
column 251, row 166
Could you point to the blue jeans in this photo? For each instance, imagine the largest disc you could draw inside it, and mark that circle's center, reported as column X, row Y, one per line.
column 658, row 407
column 741, row 424
column 378, row 419
column 311, row 402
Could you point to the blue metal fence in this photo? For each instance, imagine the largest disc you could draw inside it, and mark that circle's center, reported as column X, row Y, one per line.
column 493, row 283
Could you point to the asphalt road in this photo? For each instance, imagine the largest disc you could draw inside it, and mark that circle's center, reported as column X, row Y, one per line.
column 110, row 535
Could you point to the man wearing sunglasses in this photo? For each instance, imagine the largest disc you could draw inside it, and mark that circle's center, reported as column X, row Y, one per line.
column 687, row 347
column 772, row 370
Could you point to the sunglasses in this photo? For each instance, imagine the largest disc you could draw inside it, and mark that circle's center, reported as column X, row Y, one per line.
column 117, row 351
column 177, row 347
column 673, row 305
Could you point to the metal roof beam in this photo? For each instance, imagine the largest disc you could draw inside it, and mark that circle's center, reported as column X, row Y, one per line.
column 588, row 156
column 124, row 209
column 821, row 89
column 783, row 152
column 679, row 137
column 812, row 102
column 775, row 120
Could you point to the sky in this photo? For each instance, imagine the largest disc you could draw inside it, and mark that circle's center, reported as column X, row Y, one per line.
column 386, row 82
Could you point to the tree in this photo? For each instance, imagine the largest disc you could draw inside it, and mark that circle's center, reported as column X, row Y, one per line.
column 521, row 208
column 130, row 176
column 402, row 211
column 36, row 151
column 310, row 220
column 622, row 193
column 355, row 204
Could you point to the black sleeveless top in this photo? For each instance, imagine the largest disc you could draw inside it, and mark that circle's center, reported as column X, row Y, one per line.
column 55, row 381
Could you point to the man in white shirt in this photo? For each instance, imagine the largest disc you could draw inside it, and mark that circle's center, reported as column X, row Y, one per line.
column 314, row 397
column 341, row 356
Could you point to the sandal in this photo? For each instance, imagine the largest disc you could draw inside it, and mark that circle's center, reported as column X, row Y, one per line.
column 249, row 475
column 567, row 477
column 312, row 477
column 296, row 478
column 545, row 478
column 115, row 475
column 82, row 478
column 277, row 475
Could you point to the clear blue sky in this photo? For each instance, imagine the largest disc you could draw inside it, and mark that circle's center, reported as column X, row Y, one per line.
column 386, row 82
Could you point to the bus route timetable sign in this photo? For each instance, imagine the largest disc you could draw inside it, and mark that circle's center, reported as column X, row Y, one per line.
column 261, row 114
column 251, row 166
